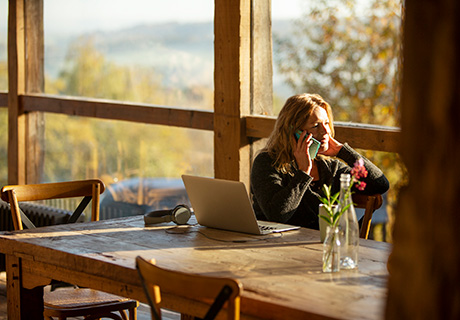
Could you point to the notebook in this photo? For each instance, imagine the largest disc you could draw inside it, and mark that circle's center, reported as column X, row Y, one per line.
column 225, row 204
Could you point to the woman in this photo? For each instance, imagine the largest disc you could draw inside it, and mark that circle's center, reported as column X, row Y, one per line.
column 285, row 183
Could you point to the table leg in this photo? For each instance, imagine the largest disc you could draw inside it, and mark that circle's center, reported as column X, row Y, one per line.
column 21, row 303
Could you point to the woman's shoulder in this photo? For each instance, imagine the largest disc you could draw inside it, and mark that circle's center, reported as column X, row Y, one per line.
column 263, row 155
column 262, row 162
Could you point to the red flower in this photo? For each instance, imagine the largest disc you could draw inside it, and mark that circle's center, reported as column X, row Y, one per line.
column 361, row 185
column 357, row 172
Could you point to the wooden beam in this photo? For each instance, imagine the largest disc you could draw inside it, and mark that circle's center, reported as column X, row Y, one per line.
column 362, row 136
column 16, row 87
column 424, row 266
column 261, row 58
column 369, row 137
column 34, row 83
column 261, row 67
column 106, row 109
column 231, row 88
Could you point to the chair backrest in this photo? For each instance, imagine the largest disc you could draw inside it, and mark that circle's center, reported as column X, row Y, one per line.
column 190, row 286
column 89, row 189
column 369, row 203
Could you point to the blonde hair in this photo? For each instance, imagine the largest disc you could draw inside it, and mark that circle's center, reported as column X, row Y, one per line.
column 293, row 115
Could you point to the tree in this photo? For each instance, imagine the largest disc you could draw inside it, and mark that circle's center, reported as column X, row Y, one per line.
column 348, row 54
column 79, row 148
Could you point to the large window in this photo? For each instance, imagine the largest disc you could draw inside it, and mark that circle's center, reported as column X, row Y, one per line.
column 141, row 51
column 349, row 53
column 158, row 53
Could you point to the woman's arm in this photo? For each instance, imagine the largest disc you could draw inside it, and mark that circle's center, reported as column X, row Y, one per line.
column 278, row 195
column 376, row 182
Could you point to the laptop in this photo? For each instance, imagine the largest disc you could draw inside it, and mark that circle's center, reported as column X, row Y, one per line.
column 225, row 204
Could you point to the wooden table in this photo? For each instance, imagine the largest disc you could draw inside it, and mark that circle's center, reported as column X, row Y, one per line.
column 281, row 274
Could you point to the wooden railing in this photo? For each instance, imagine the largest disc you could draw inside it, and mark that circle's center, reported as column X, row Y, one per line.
column 363, row 136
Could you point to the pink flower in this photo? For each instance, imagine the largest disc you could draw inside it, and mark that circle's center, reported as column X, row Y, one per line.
column 361, row 185
column 359, row 170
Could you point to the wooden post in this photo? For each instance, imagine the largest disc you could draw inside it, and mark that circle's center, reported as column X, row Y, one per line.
column 16, row 87
column 243, row 81
column 261, row 58
column 25, row 74
column 425, row 262
column 35, row 83
column 231, row 88
column 261, row 67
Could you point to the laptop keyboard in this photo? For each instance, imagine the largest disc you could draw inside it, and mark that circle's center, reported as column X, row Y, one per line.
column 265, row 228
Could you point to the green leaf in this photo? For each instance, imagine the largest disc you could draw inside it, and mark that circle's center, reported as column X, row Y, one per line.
column 327, row 219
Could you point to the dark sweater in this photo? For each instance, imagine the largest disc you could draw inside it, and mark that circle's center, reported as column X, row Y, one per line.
column 294, row 199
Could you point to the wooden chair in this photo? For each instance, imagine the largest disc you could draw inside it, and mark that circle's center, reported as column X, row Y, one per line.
column 70, row 302
column 369, row 203
column 189, row 286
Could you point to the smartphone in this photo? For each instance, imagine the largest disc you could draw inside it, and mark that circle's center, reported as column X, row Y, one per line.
column 315, row 144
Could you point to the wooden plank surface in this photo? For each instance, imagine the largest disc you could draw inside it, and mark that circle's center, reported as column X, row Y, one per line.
column 281, row 274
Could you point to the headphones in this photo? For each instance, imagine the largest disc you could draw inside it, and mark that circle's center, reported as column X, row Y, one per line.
column 179, row 215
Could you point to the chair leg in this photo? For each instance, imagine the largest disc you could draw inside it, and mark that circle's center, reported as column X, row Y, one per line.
column 132, row 314
column 123, row 314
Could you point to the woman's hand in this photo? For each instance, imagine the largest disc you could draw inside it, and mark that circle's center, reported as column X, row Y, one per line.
column 333, row 148
column 302, row 157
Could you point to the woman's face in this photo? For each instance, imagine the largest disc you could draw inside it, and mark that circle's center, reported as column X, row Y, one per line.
column 318, row 125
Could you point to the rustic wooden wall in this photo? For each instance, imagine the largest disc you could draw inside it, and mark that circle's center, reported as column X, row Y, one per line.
column 425, row 263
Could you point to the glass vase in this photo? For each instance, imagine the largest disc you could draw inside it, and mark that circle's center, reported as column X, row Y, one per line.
column 348, row 224
column 331, row 250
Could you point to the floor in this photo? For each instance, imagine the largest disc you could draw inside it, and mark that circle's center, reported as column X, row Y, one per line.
column 143, row 312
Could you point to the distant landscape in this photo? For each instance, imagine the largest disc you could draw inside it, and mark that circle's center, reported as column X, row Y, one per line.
column 181, row 52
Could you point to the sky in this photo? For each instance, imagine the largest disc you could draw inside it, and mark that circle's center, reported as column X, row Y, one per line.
column 86, row 15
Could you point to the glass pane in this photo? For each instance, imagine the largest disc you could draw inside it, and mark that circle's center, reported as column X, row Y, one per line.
column 141, row 164
column 139, row 51
column 3, row 45
column 348, row 51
